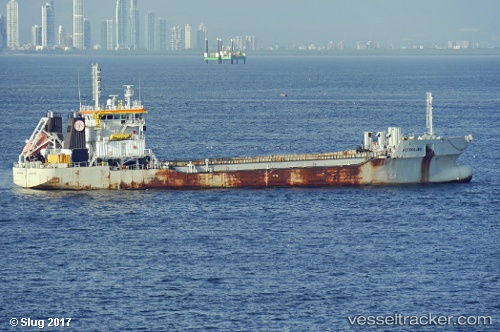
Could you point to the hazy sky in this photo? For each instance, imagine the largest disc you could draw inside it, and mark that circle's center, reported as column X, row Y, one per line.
column 292, row 21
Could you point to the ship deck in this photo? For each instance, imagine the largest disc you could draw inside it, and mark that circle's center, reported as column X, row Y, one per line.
column 348, row 154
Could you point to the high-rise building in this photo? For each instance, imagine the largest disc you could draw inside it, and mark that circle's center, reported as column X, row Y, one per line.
column 48, row 28
column 104, row 34
column 60, row 36
column 122, row 31
column 201, row 35
column 176, row 39
column 134, row 26
column 68, row 40
column 107, row 41
column 12, row 24
column 250, row 43
column 36, row 35
column 237, row 43
column 111, row 35
column 150, row 31
column 65, row 39
column 78, row 24
column 3, row 32
column 187, row 37
column 87, row 35
column 162, row 35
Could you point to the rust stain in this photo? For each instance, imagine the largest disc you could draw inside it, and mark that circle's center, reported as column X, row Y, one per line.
column 303, row 177
column 54, row 180
column 110, row 185
column 426, row 165
column 378, row 162
column 373, row 167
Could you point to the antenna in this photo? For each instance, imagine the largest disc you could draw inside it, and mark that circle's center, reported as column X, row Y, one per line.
column 128, row 94
column 429, row 114
column 139, row 89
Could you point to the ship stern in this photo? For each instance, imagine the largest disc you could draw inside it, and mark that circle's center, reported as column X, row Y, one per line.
column 20, row 176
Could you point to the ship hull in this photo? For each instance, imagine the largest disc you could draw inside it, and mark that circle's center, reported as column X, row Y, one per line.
column 382, row 171
column 105, row 148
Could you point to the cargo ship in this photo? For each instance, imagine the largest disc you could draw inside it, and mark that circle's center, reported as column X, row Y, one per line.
column 104, row 147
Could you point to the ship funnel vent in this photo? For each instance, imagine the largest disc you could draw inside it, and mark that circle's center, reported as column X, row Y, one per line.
column 368, row 140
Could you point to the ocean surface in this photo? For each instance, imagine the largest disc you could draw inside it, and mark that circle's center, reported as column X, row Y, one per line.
column 261, row 259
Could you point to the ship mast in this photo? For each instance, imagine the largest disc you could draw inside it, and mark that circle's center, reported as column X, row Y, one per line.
column 96, row 84
column 128, row 95
column 429, row 115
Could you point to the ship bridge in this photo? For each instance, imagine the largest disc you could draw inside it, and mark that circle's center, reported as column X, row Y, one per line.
column 115, row 131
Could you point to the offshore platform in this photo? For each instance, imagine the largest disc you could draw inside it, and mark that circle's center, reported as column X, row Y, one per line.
column 222, row 56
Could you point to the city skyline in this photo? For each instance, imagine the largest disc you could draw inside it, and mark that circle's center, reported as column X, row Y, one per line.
column 354, row 21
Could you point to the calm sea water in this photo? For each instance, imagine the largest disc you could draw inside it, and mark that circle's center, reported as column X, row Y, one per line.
column 255, row 260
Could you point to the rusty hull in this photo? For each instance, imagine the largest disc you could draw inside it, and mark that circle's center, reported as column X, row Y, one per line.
column 295, row 177
column 379, row 171
column 370, row 172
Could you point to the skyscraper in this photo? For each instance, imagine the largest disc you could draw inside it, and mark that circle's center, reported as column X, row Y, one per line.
column 187, row 37
column 121, row 25
column 111, row 36
column 176, row 39
column 3, row 32
column 150, row 31
column 134, row 39
column 87, row 35
column 238, row 43
column 201, row 35
column 78, row 24
column 250, row 43
column 104, row 34
column 107, row 41
column 48, row 32
column 36, row 35
column 60, row 36
column 162, row 35
column 12, row 24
